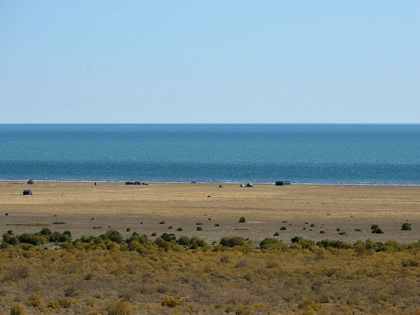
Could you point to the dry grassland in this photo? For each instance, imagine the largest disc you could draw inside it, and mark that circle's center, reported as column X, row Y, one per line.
column 90, row 210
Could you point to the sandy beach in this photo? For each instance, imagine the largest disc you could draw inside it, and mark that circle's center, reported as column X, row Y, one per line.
column 303, row 210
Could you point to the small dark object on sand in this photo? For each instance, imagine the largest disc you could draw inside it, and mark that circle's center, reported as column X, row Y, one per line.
column 30, row 182
column 27, row 192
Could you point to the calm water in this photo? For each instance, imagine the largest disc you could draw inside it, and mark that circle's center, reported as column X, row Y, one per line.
column 334, row 154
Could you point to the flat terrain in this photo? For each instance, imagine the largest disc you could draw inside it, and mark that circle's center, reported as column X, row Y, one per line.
column 87, row 209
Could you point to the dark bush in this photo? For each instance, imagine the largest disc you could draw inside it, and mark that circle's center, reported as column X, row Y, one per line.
column 46, row 231
column 10, row 239
column 184, row 241
column 333, row 244
column 33, row 239
column 233, row 241
column 406, row 227
column 168, row 237
column 196, row 242
column 242, row 220
column 114, row 236
column 299, row 242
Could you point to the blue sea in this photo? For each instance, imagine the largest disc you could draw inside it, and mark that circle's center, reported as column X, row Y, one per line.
column 258, row 153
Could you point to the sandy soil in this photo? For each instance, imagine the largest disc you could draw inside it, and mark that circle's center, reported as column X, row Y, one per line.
column 92, row 210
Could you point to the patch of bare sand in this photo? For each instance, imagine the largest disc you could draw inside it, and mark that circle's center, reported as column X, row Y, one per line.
column 91, row 210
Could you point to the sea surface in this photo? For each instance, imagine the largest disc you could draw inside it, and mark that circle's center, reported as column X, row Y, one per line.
column 257, row 153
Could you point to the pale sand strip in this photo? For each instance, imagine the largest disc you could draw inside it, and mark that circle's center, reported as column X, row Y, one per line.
column 265, row 207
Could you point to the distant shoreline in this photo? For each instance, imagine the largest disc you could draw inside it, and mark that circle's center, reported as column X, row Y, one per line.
column 202, row 182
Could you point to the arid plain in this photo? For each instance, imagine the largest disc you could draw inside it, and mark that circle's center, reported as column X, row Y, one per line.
column 312, row 212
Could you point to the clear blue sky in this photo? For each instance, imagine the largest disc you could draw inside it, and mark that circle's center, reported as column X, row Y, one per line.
column 195, row 61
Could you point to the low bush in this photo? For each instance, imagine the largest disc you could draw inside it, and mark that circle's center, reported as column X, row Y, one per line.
column 18, row 309
column 233, row 241
column 272, row 244
column 171, row 301
column 406, row 227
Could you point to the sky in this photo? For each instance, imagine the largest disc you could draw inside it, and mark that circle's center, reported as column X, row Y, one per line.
column 217, row 61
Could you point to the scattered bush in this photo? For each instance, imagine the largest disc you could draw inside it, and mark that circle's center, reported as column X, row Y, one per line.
column 376, row 229
column 199, row 228
column 242, row 220
column 283, row 228
column 406, row 227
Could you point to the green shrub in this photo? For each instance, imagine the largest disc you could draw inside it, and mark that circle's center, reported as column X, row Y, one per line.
column 272, row 244
column 162, row 222
column 33, row 239
column 242, row 220
column 299, row 242
column 46, row 231
column 199, row 228
column 406, row 227
column 276, row 234
column 114, row 236
column 179, row 229
column 168, row 237
column 184, row 240
column 197, row 242
column 283, row 228
column 333, row 244
column 10, row 239
column 233, row 241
